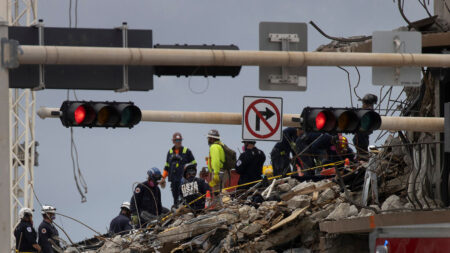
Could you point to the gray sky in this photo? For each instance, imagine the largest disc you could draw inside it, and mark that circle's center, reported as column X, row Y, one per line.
column 113, row 159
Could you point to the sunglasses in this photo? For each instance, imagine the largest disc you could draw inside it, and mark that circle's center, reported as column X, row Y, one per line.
column 178, row 140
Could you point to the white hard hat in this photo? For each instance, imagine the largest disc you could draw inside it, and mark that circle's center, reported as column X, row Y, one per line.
column 213, row 133
column 25, row 210
column 48, row 209
column 125, row 205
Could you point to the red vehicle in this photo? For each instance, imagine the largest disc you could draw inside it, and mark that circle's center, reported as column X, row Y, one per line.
column 433, row 238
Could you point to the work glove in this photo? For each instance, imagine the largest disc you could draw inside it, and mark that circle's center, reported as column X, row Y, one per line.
column 215, row 180
column 163, row 183
column 135, row 220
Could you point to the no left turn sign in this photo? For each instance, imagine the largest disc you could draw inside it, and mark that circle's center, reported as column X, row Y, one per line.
column 262, row 118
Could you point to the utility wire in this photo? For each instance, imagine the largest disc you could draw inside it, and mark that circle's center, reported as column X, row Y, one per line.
column 76, row 13
column 424, row 5
column 40, row 203
column 80, row 182
column 77, row 175
column 357, row 85
column 349, row 84
column 70, row 13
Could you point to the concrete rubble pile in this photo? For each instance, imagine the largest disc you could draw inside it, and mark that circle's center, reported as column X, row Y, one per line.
column 287, row 220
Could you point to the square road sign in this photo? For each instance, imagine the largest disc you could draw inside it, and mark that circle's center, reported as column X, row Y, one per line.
column 262, row 118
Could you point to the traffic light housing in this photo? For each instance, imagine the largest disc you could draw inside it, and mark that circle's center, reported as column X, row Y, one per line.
column 340, row 120
column 99, row 114
column 197, row 70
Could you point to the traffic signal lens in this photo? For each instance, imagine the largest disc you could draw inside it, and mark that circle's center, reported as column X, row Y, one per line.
column 321, row 120
column 131, row 115
column 370, row 121
column 80, row 114
column 347, row 121
column 107, row 116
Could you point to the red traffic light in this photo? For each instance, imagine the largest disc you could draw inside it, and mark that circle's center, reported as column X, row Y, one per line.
column 79, row 114
column 321, row 120
column 99, row 114
column 340, row 120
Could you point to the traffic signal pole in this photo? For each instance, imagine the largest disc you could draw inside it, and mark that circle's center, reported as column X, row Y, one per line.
column 5, row 152
column 415, row 124
column 65, row 55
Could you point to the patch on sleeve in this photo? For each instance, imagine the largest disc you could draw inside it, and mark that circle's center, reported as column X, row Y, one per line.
column 138, row 190
column 29, row 229
column 43, row 230
column 238, row 163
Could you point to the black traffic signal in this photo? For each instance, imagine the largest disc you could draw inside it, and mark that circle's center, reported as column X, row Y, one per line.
column 197, row 70
column 99, row 114
column 340, row 120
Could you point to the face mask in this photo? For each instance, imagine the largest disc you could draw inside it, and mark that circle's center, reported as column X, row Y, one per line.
column 53, row 217
column 150, row 182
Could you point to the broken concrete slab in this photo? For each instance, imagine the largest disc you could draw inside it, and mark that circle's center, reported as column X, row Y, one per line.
column 342, row 211
column 326, row 196
column 284, row 187
column 299, row 201
column 393, row 202
column 252, row 229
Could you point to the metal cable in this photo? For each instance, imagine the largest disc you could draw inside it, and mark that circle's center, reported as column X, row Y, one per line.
column 349, row 84
column 70, row 13
column 75, row 164
column 339, row 38
column 424, row 5
column 40, row 203
column 357, row 85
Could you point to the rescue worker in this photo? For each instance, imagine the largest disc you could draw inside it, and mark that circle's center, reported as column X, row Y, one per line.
column 250, row 164
column 145, row 203
column 280, row 154
column 333, row 148
column 122, row 223
column 361, row 140
column 216, row 159
column 177, row 157
column 305, row 159
column 47, row 231
column 26, row 236
column 193, row 187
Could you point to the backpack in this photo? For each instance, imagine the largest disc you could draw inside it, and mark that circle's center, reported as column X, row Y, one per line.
column 230, row 158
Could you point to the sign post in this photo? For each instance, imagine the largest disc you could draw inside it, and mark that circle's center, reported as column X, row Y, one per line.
column 262, row 118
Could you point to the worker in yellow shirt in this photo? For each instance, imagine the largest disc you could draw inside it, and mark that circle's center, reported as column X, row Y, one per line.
column 216, row 161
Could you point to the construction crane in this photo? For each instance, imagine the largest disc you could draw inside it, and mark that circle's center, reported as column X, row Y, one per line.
column 22, row 109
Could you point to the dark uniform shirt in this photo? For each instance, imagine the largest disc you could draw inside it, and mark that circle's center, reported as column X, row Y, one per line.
column 192, row 189
column 324, row 146
column 175, row 163
column 249, row 166
column 289, row 137
column 280, row 154
column 26, row 236
column 47, row 231
column 361, row 142
column 148, row 199
column 121, row 223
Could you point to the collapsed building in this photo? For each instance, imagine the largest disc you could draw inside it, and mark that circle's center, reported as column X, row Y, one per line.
column 292, row 214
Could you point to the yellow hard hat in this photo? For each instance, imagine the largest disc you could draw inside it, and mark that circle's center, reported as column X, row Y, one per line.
column 267, row 170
